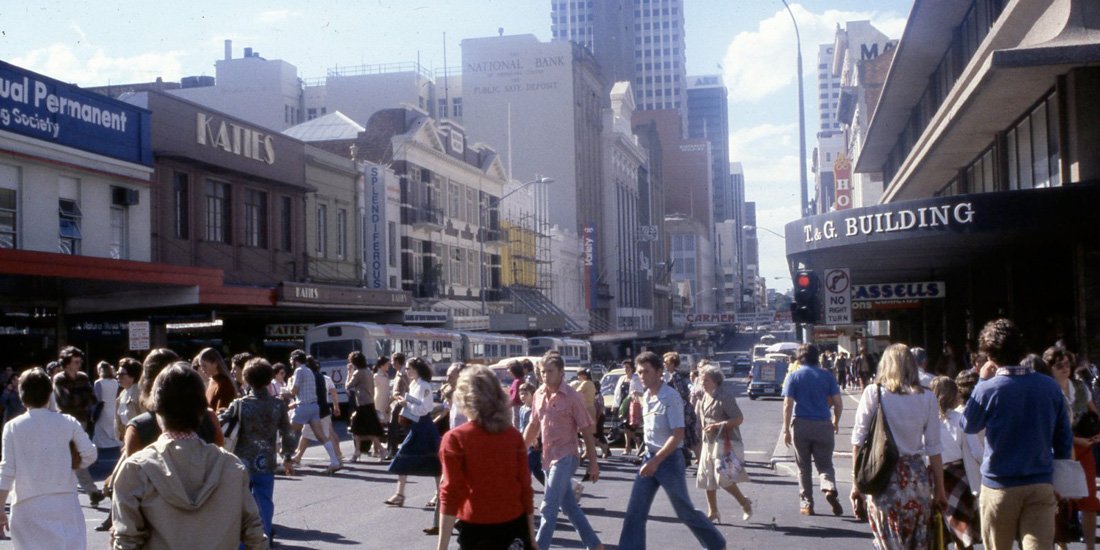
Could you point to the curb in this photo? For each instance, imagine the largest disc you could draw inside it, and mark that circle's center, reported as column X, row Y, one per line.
column 783, row 458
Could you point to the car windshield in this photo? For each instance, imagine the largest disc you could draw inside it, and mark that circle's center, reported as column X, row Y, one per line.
column 607, row 383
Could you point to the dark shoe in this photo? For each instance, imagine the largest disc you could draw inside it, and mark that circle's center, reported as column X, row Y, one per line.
column 831, row 498
column 95, row 498
column 105, row 526
column 806, row 510
column 431, row 531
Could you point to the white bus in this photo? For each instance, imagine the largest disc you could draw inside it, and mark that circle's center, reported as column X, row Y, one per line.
column 487, row 348
column 575, row 352
column 331, row 343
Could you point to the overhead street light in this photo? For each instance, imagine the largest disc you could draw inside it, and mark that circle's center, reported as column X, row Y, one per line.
column 493, row 203
column 754, row 228
column 801, row 119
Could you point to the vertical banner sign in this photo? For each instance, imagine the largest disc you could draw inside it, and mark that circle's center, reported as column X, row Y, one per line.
column 591, row 274
column 838, row 297
column 376, row 226
column 842, row 170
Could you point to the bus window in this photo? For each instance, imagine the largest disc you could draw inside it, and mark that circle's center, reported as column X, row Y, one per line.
column 334, row 350
column 422, row 349
column 446, row 351
column 383, row 348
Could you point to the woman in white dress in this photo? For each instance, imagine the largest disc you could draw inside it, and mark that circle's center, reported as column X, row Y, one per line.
column 106, row 393
column 38, row 465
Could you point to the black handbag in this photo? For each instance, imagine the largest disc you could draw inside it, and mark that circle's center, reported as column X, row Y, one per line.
column 878, row 456
column 1087, row 425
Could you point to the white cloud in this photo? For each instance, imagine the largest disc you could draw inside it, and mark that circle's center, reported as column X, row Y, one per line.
column 94, row 66
column 276, row 16
column 761, row 62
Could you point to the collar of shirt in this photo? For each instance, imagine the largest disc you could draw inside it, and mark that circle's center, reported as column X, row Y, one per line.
column 1014, row 371
column 179, row 436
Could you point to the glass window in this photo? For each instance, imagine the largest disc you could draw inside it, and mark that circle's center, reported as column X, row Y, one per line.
column 255, row 218
column 217, row 211
column 322, row 229
column 119, row 246
column 286, row 215
column 1023, row 154
column 342, row 233
column 392, row 243
column 181, row 204
column 8, row 210
column 69, row 217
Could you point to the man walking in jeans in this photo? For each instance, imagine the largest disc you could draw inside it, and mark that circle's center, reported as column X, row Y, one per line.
column 1026, row 426
column 809, row 392
column 559, row 413
column 663, row 436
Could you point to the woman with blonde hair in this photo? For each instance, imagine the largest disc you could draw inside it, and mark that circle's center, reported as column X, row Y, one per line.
column 900, row 515
column 491, row 500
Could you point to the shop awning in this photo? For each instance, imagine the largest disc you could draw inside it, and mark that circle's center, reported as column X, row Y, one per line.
column 916, row 239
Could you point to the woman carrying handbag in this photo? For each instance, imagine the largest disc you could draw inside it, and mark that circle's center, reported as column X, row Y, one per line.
column 900, row 513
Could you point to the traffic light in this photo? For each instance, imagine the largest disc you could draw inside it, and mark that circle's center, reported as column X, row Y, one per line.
column 804, row 307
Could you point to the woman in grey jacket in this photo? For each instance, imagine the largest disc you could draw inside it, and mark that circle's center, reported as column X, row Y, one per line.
column 181, row 492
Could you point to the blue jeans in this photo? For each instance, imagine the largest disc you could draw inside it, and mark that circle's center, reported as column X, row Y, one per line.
column 262, row 487
column 670, row 476
column 558, row 494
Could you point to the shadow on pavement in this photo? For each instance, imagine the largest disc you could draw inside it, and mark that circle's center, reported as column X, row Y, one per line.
column 863, row 531
column 285, row 535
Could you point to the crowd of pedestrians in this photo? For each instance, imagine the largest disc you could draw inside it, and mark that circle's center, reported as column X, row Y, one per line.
column 202, row 441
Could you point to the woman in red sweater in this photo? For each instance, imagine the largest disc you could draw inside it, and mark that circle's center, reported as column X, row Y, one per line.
column 486, row 481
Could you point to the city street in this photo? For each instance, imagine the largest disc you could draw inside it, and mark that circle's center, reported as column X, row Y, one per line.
column 346, row 510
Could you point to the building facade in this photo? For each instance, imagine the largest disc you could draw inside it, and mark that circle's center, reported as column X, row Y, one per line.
column 854, row 43
column 542, row 101
column 984, row 137
column 624, row 263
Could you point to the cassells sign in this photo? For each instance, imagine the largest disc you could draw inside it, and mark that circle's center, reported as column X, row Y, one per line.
column 899, row 291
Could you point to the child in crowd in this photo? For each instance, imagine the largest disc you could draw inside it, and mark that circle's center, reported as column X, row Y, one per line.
column 534, row 454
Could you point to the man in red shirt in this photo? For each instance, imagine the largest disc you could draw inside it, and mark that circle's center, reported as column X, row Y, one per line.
column 559, row 413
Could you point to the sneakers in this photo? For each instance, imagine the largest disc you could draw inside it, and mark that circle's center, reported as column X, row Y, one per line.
column 831, row 498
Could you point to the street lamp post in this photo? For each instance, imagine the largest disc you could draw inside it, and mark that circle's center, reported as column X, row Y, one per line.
column 801, row 119
column 755, row 227
column 493, row 202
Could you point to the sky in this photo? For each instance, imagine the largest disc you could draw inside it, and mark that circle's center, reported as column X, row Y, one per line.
column 750, row 42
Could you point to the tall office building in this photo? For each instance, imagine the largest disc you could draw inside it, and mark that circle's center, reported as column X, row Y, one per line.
column 708, row 118
column 606, row 28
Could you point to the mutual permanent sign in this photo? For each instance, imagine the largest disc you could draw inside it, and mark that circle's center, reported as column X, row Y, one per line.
column 42, row 108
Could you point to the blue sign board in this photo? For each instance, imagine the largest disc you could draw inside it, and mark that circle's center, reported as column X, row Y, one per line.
column 43, row 108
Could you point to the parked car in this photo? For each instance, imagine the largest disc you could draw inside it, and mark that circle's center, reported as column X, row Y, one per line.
column 768, row 374
column 726, row 367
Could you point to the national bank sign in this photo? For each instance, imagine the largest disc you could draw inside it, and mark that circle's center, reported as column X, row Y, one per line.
column 42, row 108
